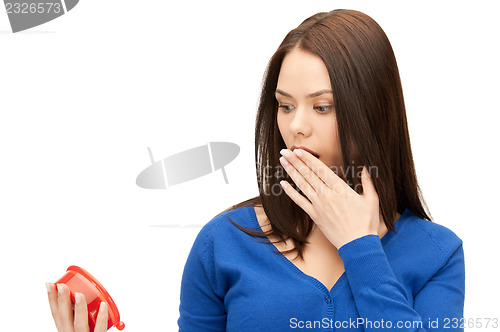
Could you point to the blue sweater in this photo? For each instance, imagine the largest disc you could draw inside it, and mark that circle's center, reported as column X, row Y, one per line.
column 413, row 280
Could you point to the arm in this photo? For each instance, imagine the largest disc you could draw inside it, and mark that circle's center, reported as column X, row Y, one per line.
column 201, row 309
column 379, row 295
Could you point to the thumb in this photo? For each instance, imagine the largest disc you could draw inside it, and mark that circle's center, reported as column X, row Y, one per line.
column 367, row 183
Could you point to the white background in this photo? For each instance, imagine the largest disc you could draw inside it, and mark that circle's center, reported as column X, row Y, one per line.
column 83, row 96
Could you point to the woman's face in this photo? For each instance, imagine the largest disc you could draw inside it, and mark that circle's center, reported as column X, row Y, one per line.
column 306, row 117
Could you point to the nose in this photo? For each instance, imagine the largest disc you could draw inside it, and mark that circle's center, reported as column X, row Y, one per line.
column 300, row 123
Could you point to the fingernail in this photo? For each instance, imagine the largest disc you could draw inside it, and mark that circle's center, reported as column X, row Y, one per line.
column 60, row 288
column 78, row 298
column 283, row 184
column 298, row 152
column 283, row 161
column 286, row 153
column 49, row 289
column 102, row 308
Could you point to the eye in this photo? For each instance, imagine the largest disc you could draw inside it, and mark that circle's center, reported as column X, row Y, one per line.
column 323, row 109
column 285, row 108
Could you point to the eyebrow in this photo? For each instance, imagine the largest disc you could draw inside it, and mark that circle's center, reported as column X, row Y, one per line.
column 311, row 95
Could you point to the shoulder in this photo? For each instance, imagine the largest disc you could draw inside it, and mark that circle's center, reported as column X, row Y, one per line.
column 219, row 236
column 421, row 249
column 443, row 238
column 221, row 226
column 431, row 240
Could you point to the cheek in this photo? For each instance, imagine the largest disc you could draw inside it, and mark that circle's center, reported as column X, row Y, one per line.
column 281, row 125
column 332, row 141
column 329, row 130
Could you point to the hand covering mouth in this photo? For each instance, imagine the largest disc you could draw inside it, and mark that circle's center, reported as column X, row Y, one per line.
column 304, row 148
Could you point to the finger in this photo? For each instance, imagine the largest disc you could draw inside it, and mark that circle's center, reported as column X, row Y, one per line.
column 65, row 308
column 304, row 186
column 302, row 175
column 81, row 314
column 52, row 295
column 298, row 198
column 306, row 173
column 322, row 171
column 101, row 324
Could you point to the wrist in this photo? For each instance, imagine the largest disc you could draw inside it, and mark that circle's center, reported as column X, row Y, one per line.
column 353, row 237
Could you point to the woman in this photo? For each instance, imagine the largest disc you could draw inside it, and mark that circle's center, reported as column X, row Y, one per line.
column 346, row 242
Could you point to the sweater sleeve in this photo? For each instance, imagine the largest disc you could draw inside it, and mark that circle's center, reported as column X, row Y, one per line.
column 201, row 309
column 382, row 301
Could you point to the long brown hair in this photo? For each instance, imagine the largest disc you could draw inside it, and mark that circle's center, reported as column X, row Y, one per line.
column 371, row 119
